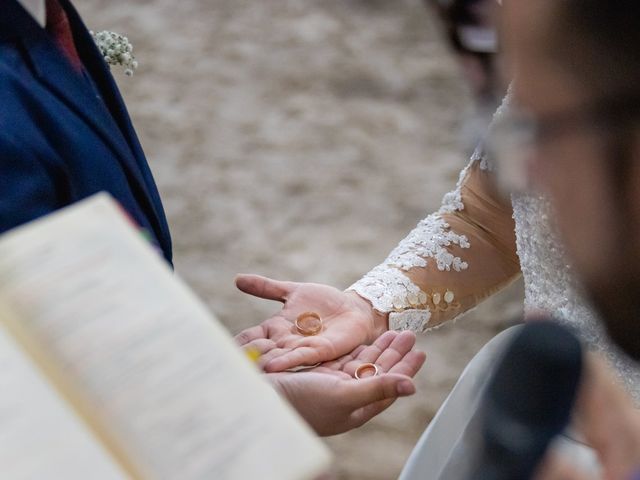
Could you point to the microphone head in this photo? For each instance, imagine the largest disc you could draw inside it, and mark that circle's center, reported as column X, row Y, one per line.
column 530, row 396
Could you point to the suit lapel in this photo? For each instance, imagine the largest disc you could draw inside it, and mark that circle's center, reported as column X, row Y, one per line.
column 113, row 125
column 54, row 73
column 99, row 71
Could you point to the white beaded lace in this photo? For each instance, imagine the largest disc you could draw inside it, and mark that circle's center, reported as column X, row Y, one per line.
column 549, row 282
column 390, row 290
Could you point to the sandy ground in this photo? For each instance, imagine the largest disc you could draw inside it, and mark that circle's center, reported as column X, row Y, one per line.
column 302, row 140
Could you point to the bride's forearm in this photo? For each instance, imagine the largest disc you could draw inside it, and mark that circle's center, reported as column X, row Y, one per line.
column 451, row 261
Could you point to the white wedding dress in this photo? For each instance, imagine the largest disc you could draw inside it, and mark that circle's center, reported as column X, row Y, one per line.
column 473, row 246
column 439, row 255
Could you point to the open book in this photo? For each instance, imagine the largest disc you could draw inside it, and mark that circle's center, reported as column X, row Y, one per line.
column 110, row 368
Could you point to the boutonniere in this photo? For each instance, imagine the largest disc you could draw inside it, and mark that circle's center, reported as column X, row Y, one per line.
column 116, row 50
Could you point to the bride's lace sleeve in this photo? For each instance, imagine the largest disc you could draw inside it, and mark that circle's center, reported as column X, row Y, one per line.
column 453, row 259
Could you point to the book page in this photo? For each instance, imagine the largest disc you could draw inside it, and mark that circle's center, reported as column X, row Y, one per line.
column 40, row 437
column 163, row 378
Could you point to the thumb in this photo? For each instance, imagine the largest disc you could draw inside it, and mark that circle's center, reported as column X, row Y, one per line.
column 264, row 287
column 360, row 393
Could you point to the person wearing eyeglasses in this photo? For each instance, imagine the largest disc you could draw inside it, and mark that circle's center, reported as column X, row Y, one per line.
column 573, row 135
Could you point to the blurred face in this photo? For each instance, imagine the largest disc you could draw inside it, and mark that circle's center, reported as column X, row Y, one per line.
column 569, row 166
column 573, row 165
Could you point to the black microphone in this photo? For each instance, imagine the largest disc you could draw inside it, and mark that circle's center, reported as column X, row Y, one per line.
column 528, row 400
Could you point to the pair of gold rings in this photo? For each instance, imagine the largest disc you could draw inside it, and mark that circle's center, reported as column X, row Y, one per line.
column 310, row 323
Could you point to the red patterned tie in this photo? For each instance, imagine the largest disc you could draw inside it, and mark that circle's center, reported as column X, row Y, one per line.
column 59, row 28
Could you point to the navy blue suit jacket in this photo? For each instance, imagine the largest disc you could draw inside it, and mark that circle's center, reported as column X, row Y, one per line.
column 65, row 136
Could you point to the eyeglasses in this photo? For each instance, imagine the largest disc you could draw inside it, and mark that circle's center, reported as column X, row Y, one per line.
column 517, row 134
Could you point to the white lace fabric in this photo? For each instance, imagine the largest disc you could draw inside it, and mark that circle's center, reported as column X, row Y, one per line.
column 452, row 260
column 467, row 250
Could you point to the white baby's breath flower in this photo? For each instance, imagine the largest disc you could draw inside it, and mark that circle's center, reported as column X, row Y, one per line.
column 116, row 50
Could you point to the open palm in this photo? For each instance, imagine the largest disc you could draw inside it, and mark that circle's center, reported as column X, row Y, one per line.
column 348, row 321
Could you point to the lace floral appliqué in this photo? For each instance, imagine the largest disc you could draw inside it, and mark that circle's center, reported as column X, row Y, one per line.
column 390, row 290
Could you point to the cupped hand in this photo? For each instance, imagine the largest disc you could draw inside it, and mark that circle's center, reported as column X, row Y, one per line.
column 348, row 321
column 332, row 401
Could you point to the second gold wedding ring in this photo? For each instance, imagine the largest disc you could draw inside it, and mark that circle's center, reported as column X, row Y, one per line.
column 308, row 324
column 366, row 370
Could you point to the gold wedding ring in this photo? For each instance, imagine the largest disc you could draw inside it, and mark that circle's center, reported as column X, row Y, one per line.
column 366, row 370
column 308, row 324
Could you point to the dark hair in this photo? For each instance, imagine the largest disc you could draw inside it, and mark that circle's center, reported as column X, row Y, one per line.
column 598, row 41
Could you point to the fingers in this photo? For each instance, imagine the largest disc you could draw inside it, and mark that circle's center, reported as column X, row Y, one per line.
column 279, row 362
column 250, row 335
column 373, row 353
column 399, row 347
column 329, row 371
column 410, row 364
column 270, row 355
column 262, row 346
column 340, row 363
column 264, row 287
column 363, row 392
